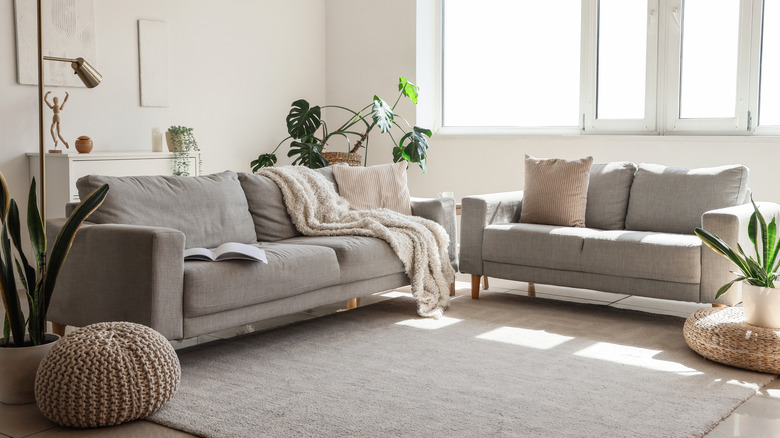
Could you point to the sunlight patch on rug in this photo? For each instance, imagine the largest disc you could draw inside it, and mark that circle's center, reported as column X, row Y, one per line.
column 538, row 339
column 634, row 356
column 430, row 323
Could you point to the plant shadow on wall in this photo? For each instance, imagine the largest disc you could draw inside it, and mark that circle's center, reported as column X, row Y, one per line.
column 304, row 121
column 181, row 141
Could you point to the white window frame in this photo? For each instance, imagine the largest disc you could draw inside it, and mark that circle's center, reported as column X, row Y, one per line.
column 589, row 76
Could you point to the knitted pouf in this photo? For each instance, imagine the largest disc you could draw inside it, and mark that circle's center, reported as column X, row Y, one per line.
column 106, row 374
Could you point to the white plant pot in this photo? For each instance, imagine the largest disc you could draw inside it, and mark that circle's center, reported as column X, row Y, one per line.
column 761, row 306
column 18, row 366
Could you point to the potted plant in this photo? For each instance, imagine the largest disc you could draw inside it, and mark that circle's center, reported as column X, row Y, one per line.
column 20, row 352
column 181, row 141
column 760, row 301
column 307, row 146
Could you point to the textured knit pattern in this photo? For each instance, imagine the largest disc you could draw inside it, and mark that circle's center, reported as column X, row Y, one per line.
column 380, row 186
column 106, row 374
column 555, row 191
column 317, row 210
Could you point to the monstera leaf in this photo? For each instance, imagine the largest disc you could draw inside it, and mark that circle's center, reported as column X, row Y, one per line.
column 382, row 114
column 309, row 153
column 303, row 120
column 408, row 89
column 416, row 150
column 264, row 160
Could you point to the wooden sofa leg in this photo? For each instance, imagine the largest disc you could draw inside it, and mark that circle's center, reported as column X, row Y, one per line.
column 485, row 284
column 353, row 303
column 452, row 289
column 474, row 287
column 531, row 290
column 719, row 305
column 58, row 329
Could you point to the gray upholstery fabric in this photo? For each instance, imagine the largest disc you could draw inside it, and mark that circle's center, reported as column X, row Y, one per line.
column 642, row 254
column 441, row 211
column 120, row 273
column 478, row 212
column 211, row 287
column 730, row 224
column 266, row 204
column 608, row 283
column 608, row 190
column 673, row 200
column 549, row 246
column 359, row 258
column 209, row 210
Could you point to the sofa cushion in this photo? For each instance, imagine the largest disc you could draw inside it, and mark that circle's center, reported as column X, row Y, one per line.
column 544, row 246
column 555, row 191
column 209, row 210
column 360, row 258
column 673, row 199
column 211, row 287
column 608, row 190
column 380, row 186
column 642, row 254
column 266, row 205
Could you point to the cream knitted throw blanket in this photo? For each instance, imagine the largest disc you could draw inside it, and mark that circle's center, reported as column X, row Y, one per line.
column 421, row 244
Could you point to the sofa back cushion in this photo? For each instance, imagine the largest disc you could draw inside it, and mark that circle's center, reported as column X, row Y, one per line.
column 209, row 210
column 608, row 190
column 673, row 199
column 266, row 205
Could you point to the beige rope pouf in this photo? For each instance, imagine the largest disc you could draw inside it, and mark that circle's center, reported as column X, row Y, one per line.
column 106, row 374
column 722, row 335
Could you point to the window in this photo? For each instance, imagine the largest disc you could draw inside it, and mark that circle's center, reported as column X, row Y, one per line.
column 611, row 66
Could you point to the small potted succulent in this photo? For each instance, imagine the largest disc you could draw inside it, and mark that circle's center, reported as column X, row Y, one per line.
column 304, row 121
column 24, row 339
column 181, row 141
column 760, row 300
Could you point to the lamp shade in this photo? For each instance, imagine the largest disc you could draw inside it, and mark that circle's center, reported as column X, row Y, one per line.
column 88, row 75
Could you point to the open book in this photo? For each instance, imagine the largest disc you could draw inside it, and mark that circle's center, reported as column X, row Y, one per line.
column 226, row 251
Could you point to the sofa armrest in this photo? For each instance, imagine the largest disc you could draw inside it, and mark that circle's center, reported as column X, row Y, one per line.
column 730, row 224
column 121, row 273
column 441, row 211
column 478, row 212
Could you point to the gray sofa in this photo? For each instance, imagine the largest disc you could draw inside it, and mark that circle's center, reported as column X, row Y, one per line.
column 126, row 264
column 638, row 237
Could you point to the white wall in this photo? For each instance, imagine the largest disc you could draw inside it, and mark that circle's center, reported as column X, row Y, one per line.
column 235, row 67
column 484, row 164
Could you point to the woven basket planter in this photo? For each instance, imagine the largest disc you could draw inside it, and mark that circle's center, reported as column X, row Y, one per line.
column 343, row 157
column 106, row 374
column 722, row 335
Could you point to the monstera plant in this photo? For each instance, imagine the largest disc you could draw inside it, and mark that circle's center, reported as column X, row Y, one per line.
column 310, row 134
column 38, row 282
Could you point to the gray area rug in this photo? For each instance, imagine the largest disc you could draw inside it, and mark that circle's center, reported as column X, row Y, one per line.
column 504, row 365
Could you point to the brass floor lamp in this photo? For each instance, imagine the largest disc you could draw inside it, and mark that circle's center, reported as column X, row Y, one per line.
column 88, row 75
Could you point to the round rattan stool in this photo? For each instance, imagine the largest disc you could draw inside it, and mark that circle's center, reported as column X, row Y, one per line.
column 106, row 374
column 722, row 335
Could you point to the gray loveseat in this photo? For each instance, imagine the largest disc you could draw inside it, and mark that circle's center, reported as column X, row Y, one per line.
column 126, row 264
column 638, row 237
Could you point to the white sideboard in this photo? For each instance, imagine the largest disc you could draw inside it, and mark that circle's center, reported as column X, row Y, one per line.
column 62, row 171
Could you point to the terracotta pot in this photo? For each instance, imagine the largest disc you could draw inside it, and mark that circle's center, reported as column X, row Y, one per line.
column 84, row 144
column 761, row 306
column 19, row 365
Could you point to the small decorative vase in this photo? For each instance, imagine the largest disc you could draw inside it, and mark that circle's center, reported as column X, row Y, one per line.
column 84, row 144
column 19, row 365
column 761, row 306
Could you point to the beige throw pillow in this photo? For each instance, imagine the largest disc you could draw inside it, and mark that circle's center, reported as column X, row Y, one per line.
column 381, row 186
column 556, row 191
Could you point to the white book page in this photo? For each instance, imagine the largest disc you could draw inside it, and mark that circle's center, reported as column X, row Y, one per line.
column 198, row 254
column 235, row 250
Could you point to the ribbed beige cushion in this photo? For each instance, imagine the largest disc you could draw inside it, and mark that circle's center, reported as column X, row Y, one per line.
column 556, row 191
column 381, row 186
column 106, row 374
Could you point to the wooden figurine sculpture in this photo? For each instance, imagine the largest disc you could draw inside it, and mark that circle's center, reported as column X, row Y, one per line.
column 55, row 121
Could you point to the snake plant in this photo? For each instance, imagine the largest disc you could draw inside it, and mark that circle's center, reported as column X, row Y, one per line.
column 761, row 271
column 37, row 282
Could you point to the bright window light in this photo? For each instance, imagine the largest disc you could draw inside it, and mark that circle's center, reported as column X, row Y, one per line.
column 769, row 111
column 511, row 63
column 622, row 59
column 710, row 44
column 538, row 339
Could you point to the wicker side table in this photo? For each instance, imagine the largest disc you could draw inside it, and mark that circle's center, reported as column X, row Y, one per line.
column 722, row 335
